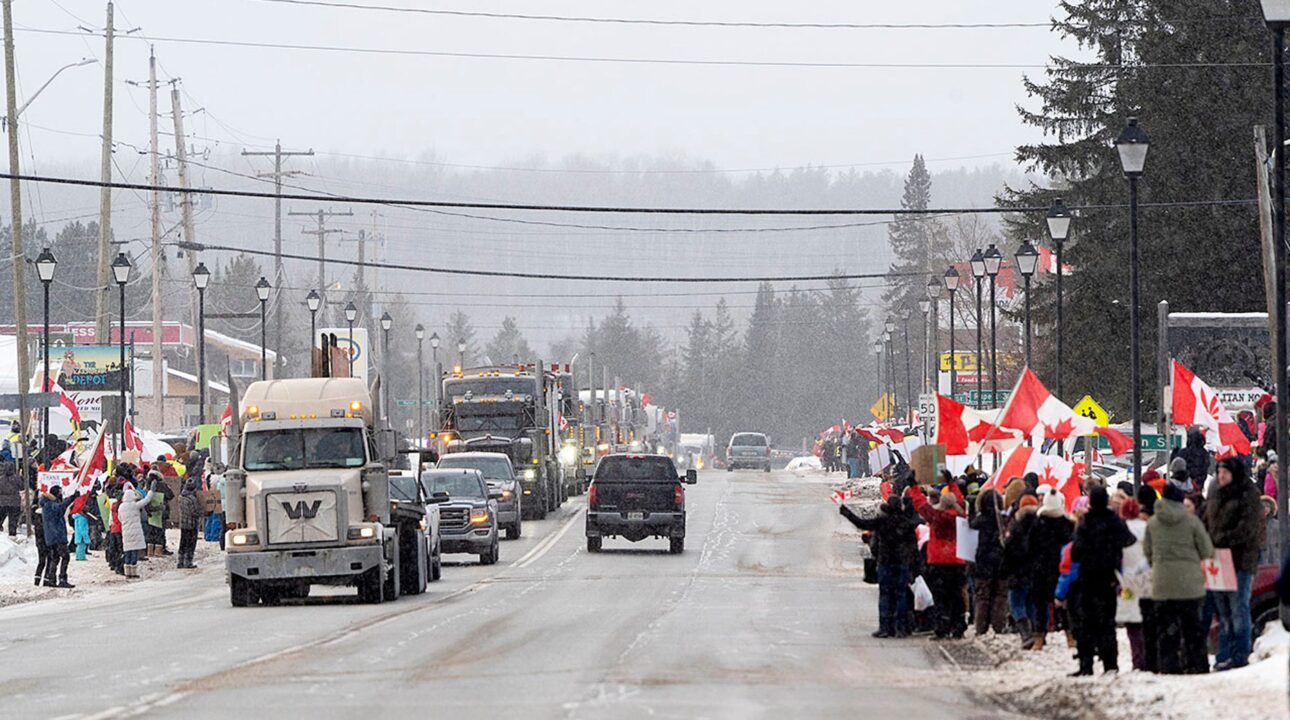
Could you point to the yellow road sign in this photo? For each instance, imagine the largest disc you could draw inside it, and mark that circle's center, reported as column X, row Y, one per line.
column 1089, row 408
column 881, row 409
column 962, row 362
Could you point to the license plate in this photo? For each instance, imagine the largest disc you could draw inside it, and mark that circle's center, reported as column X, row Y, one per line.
column 635, row 516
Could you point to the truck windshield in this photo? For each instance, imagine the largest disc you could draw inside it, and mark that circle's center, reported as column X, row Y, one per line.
column 457, row 484
column 628, row 468
column 298, row 449
column 492, row 468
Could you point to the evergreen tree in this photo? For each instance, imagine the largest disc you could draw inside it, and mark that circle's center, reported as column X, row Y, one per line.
column 509, row 345
column 460, row 330
column 232, row 291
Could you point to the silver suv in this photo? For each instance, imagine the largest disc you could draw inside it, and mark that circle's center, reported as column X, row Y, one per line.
column 748, row 450
column 468, row 518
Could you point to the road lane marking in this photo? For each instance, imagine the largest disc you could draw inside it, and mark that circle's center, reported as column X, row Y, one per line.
column 550, row 543
column 544, row 541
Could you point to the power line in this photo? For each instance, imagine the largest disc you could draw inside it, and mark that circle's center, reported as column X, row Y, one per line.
column 655, row 61
column 601, row 209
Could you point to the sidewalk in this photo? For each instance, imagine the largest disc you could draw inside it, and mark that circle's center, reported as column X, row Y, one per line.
column 18, row 567
column 1036, row 683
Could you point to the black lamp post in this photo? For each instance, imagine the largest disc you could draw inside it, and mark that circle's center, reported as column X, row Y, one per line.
column 978, row 273
column 1059, row 228
column 883, row 401
column 909, row 385
column 351, row 314
column 262, row 289
column 438, row 377
column 45, row 264
column 1277, row 15
column 889, row 329
column 201, row 280
column 925, row 307
column 934, row 328
column 386, row 323
column 420, row 332
column 952, row 285
column 313, row 301
column 121, row 273
column 993, row 261
column 1132, row 146
column 1027, row 260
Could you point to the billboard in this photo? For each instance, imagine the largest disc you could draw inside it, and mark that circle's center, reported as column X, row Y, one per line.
column 93, row 368
column 358, row 349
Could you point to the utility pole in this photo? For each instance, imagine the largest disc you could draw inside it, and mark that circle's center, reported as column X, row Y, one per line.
column 278, row 275
column 102, row 281
column 361, row 277
column 186, row 199
column 15, row 228
column 158, row 360
column 322, row 232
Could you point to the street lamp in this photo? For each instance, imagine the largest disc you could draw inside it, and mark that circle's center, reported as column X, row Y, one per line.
column 909, row 385
column 313, row 301
column 121, row 273
column 1132, row 146
column 924, row 307
column 45, row 264
column 1027, row 260
column 386, row 323
column 883, row 400
column 889, row 329
column 978, row 273
column 993, row 261
column 1277, row 15
column 201, row 280
column 351, row 314
column 933, row 331
column 262, row 289
column 951, row 280
column 461, row 353
column 420, row 332
column 438, row 377
column 1059, row 228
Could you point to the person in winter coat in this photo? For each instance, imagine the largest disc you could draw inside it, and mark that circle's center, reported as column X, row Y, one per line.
column 1098, row 547
column 991, row 593
column 111, row 526
column 1052, row 530
column 1014, row 568
column 10, row 496
column 1175, row 543
column 81, row 531
column 895, row 551
column 945, row 571
column 1135, row 611
column 1234, row 518
column 190, row 519
column 1196, row 460
column 130, row 511
column 52, row 507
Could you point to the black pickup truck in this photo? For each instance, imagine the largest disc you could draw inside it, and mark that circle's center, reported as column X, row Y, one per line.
column 635, row 497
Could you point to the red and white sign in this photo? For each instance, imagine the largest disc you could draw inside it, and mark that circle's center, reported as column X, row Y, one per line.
column 1220, row 571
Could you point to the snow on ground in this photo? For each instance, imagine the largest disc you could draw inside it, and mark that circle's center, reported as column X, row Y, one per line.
column 18, row 568
column 804, row 464
column 1036, row 683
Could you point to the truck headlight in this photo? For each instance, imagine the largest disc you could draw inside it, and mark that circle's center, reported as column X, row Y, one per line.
column 367, row 532
column 530, row 474
column 243, row 538
column 479, row 517
column 568, row 455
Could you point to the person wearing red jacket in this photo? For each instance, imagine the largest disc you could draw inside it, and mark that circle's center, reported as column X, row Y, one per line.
column 945, row 571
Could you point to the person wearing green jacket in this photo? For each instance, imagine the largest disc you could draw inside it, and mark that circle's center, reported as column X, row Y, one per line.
column 156, row 524
column 1175, row 543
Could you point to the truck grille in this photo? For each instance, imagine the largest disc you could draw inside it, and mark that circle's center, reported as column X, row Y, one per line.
column 302, row 517
column 454, row 518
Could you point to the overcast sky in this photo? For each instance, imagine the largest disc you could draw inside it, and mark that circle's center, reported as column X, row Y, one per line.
column 493, row 111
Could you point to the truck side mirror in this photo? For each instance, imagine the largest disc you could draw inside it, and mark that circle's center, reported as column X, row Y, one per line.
column 691, row 476
column 439, row 497
column 494, row 494
column 216, row 448
column 386, row 444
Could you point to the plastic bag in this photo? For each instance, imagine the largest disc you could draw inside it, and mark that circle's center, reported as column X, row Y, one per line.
column 214, row 528
column 922, row 594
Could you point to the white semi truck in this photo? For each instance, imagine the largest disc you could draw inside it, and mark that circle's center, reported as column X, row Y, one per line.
column 307, row 497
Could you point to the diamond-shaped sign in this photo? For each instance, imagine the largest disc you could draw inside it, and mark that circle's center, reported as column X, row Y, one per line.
column 1089, row 408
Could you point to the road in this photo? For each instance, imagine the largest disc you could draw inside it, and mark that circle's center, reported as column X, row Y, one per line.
column 764, row 615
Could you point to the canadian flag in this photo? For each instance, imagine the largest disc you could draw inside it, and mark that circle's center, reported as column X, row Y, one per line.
column 1196, row 403
column 65, row 401
column 1053, row 470
column 226, row 419
column 1038, row 414
column 881, row 435
column 96, row 462
column 130, row 439
column 564, row 424
column 964, row 431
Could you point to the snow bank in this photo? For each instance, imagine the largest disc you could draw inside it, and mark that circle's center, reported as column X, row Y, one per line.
column 17, row 560
column 1036, row 683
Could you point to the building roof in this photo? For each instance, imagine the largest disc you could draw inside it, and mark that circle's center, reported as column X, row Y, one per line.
column 213, row 385
column 233, row 342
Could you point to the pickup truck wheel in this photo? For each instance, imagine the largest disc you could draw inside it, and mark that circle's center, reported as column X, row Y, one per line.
column 513, row 531
column 490, row 557
column 241, row 592
column 436, row 565
column 767, row 468
column 593, row 544
column 730, row 468
column 677, row 546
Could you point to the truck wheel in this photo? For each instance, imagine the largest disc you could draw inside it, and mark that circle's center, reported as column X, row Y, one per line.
column 514, row 530
column 415, row 570
column 241, row 592
column 369, row 587
column 730, row 468
column 677, row 546
column 593, row 544
column 390, row 586
column 490, row 557
column 539, row 512
column 767, row 468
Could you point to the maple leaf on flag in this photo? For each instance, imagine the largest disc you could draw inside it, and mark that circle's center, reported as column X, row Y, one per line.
column 979, row 432
column 1047, row 477
column 1062, row 430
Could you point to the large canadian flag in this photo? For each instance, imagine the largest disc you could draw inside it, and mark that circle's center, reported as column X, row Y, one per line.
column 1196, row 403
column 1038, row 414
column 93, row 464
column 1053, row 470
column 130, row 438
column 965, row 431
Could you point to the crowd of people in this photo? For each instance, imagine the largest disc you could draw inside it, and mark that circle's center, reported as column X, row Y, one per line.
column 1114, row 557
column 845, row 450
column 123, row 514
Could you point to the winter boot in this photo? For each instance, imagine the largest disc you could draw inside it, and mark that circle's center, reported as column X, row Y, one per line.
column 62, row 583
column 1027, row 633
column 1040, row 639
column 1070, row 639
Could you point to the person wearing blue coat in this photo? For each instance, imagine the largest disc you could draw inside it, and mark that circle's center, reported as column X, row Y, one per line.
column 52, row 508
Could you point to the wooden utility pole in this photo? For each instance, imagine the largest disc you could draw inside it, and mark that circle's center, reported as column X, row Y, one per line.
column 322, row 232
column 279, row 278
column 158, row 360
column 186, row 199
column 101, row 300
column 15, row 227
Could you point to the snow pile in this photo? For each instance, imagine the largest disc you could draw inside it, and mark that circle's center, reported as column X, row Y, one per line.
column 17, row 560
column 804, row 464
column 1036, row 683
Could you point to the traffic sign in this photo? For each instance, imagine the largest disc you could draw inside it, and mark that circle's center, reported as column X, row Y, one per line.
column 971, row 397
column 1089, row 408
column 411, row 403
column 962, row 361
column 1148, row 442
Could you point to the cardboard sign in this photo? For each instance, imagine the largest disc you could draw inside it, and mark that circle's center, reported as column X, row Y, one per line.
column 1220, row 571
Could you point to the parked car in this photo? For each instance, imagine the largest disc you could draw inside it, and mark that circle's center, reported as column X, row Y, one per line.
column 500, row 474
column 748, row 450
column 635, row 497
column 468, row 514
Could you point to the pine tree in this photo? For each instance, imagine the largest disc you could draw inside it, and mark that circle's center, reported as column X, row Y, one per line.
column 460, row 330
column 509, row 345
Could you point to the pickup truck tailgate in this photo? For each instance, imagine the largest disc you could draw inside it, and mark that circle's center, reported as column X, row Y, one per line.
column 646, row 496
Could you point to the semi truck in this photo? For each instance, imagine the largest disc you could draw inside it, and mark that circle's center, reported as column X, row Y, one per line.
column 307, row 497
